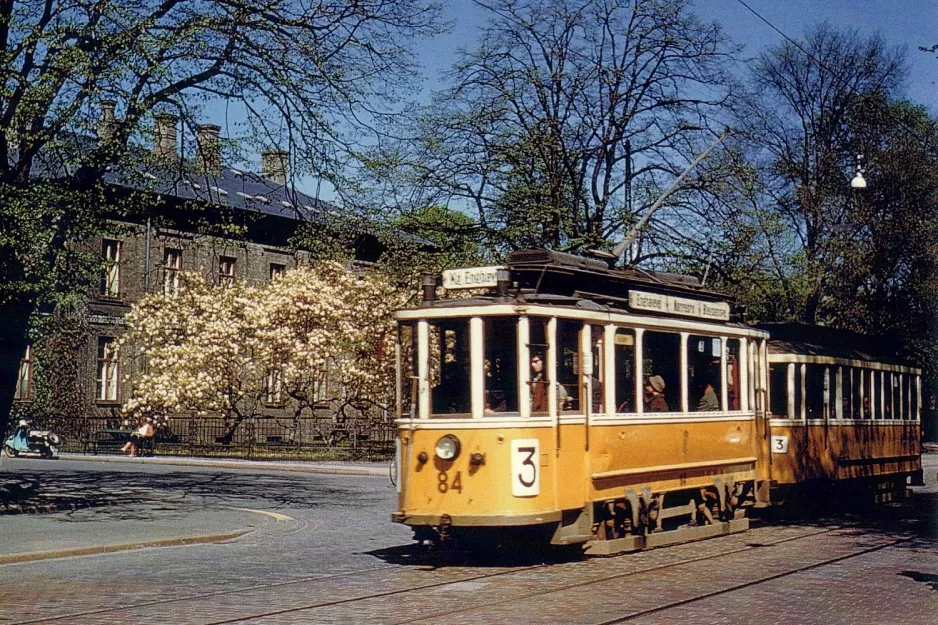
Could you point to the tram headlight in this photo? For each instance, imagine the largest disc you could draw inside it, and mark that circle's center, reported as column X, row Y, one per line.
column 447, row 448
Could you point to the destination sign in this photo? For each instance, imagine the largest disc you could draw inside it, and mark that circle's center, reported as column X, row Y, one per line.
column 656, row 302
column 471, row 278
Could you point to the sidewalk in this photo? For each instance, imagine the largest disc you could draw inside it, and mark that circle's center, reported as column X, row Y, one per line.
column 371, row 469
column 31, row 537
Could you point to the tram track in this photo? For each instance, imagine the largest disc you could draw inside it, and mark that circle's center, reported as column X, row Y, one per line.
column 619, row 576
column 461, row 579
column 752, row 583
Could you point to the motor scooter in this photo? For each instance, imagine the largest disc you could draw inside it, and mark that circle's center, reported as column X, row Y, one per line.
column 26, row 441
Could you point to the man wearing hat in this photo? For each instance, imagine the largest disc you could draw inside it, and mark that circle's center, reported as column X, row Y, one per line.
column 654, row 398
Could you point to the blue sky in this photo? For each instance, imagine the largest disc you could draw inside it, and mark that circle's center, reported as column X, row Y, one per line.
column 909, row 23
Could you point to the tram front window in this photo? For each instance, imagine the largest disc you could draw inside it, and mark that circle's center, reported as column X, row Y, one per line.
column 501, row 365
column 449, row 367
column 407, row 339
column 539, row 375
column 568, row 366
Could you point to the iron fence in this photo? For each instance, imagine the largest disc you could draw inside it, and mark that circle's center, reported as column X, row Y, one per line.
column 260, row 438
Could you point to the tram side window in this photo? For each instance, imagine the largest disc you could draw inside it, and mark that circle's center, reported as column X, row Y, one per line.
column 449, row 367
column 733, row 364
column 625, row 370
column 906, row 396
column 799, row 391
column 661, row 367
column 913, row 391
column 539, row 376
column 778, row 389
column 596, row 379
column 814, row 391
column 568, row 365
column 889, row 381
column 867, row 404
column 846, row 394
column 704, row 378
column 407, row 339
column 876, row 396
column 500, row 368
column 855, row 376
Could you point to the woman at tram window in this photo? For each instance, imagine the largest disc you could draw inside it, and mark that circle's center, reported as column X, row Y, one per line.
column 654, row 395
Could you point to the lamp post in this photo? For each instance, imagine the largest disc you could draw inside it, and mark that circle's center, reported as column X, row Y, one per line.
column 859, row 182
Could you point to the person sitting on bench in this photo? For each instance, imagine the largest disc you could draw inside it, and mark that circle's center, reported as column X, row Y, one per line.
column 139, row 436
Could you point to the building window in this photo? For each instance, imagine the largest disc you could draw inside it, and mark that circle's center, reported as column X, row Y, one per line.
column 110, row 280
column 226, row 270
column 107, row 369
column 274, row 390
column 276, row 271
column 172, row 265
column 24, row 379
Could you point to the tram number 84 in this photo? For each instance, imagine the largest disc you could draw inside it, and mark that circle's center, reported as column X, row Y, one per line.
column 444, row 485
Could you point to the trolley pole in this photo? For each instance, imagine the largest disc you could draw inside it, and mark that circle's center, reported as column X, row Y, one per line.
column 627, row 241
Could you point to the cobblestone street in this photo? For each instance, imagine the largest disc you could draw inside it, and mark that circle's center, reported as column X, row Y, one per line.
column 313, row 548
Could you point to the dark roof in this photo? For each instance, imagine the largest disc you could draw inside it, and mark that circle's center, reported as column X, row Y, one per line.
column 232, row 187
column 814, row 340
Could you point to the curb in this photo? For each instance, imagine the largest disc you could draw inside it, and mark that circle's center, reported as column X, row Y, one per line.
column 378, row 471
column 36, row 556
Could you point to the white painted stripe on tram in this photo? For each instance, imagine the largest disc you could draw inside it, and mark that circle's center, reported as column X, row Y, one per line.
column 840, row 422
column 618, row 318
column 846, row 362
column 545, row 422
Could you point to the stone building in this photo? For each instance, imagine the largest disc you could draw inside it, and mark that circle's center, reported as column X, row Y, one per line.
column 200, row 215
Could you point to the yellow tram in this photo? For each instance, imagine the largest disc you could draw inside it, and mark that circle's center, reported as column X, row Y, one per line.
column 619, row 409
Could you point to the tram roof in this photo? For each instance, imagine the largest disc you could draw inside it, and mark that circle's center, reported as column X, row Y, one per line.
column 558, row 278
column 813, row 340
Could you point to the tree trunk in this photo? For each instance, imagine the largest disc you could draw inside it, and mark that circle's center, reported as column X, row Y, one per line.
column 14, row 320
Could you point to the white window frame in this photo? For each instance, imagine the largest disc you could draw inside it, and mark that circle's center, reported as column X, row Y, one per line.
column 108, row 371
column 111, row 251
column 24, row 376
column 227, row 269
column 172, row 267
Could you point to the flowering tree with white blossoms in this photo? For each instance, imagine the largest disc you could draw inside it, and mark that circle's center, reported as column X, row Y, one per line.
column 200, row 350
column 319, row 338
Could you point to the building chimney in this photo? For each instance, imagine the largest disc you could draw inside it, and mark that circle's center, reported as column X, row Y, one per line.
column 208, row 149
column 107, row 123
column 164, row 139
column 274, row 165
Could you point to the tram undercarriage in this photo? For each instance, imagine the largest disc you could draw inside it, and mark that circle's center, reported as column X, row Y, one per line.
column 639, row 520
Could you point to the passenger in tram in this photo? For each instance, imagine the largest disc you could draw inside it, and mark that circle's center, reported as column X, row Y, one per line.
column 597, row 392
column 709, row 400
column 538, row 383
column 654, row 395
column 539, row 386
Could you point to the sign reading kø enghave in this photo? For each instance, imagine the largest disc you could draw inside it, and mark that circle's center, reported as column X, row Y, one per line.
column 655, row 302
column 471, row 278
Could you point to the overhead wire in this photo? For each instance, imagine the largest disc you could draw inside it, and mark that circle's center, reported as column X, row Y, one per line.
column 822, row 64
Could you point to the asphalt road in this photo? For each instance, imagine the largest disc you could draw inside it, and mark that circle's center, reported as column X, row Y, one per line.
column 289, row 547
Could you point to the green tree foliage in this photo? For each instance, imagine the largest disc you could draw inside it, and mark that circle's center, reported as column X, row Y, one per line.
column 308, row 75
column 441, row 239
column 796, row 242
column 799, row 125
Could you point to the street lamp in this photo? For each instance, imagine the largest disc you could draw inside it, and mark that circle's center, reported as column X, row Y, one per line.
column 859, row 182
